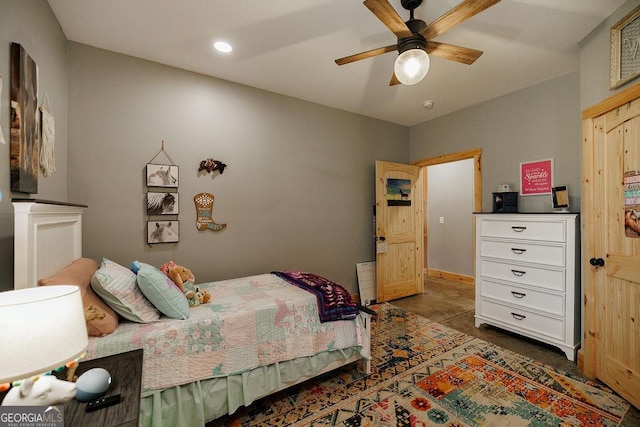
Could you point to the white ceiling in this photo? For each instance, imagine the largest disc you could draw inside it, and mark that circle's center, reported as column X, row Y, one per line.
column 289, row 47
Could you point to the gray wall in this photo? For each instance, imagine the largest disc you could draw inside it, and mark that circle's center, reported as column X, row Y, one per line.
column 450, row 196
column 281, row 152
column 594, row 60
column 33, row 25
column 538, row 122
column 297, row 193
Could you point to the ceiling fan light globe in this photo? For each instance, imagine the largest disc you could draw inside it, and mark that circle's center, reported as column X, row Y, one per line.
column 411, row 66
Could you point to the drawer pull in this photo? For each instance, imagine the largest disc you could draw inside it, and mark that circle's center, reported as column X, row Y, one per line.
column 518, row 294
column 518, row 316
column 518, row 251
column 518, row 273
column 518, row 229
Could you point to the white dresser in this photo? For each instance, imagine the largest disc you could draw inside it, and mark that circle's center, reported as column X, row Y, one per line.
column 528, row 276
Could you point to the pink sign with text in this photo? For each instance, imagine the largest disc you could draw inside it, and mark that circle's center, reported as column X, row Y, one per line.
column 536, row 177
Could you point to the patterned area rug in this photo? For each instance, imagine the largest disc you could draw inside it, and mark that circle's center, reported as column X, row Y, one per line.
column 426, row 374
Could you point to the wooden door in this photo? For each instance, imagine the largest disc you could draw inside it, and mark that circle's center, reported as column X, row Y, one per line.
column 399, row 225
column 611, row 257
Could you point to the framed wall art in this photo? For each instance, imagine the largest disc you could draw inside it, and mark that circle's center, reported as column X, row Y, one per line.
column 536, row 178
column 24, row 139
column 162, row 175
column 398, row 192
column 625, row 50
column 162, row 203
column 163, row 232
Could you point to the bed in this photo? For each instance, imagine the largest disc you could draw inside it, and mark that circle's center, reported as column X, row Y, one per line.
column 257, row 335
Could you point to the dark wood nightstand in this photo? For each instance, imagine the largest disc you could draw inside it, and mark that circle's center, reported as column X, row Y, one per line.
column 126, row 379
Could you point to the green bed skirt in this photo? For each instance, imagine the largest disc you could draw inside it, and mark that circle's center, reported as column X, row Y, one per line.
column 199, row 402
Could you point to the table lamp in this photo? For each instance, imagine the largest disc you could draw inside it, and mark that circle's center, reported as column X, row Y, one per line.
column 41, row 329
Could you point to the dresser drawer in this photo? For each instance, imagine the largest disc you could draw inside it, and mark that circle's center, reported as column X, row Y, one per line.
column 523, row 297
column 523, row 319
column 526, row 275
column 548, row 231
column 524, row 252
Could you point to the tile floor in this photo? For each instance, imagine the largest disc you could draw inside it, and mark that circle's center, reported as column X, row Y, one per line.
column 452, row 304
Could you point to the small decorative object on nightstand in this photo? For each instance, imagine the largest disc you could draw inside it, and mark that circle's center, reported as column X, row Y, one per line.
column 126, row 375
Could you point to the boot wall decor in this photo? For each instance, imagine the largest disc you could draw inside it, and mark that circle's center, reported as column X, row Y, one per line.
column 204, row 211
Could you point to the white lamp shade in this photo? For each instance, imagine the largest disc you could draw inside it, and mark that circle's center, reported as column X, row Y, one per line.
column 41, row 329
column 411, row 66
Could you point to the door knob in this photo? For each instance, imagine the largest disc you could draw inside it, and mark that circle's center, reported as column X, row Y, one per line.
column 382, row 238
column 597, row 262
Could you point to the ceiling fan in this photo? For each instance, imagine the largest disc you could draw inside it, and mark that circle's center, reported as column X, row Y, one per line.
column 415, row 38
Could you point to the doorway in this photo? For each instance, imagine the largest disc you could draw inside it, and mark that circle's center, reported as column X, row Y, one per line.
column 431, row 231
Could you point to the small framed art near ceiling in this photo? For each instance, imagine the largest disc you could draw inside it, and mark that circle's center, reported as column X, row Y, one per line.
column 625, row 50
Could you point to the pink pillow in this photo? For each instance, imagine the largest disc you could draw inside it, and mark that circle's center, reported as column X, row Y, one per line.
column 79, row 273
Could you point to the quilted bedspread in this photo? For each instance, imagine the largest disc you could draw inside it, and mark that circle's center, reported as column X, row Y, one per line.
column 250, row 321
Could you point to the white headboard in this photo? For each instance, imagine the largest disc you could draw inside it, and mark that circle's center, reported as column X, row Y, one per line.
column 47, row 238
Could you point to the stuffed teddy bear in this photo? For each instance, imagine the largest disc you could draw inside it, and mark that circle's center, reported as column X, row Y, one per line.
column 195, row 295
column 185, row 281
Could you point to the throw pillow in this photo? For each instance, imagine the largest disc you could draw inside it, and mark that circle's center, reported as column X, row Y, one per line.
column 117, row 287
column 101, row 319
column 161, row 291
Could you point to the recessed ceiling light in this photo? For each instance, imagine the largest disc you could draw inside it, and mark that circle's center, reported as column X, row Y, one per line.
column 223, row 47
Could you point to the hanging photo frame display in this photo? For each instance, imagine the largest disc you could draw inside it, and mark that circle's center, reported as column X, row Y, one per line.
column 163, row 231
column 162, row 175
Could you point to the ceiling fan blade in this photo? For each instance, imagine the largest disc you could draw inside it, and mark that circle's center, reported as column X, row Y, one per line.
column 455, row 16
column 389, row 17
column 394, row 80
column 365, row 55
column 452, row 52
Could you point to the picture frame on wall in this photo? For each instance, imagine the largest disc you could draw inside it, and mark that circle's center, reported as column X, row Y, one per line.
column 162, row 203
column 624, row 50
column 162, row 175
column 536, row 177
column 24, row 135
column 163, row 231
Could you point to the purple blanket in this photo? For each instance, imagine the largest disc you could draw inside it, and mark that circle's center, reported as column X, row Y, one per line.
column 334, row 302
